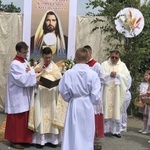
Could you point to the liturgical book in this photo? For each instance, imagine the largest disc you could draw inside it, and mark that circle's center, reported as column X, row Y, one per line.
column 48, row 83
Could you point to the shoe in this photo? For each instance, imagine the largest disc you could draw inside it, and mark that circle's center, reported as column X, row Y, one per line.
column 141, row 130
column 39, row 146
column 26, row 145
column 51, row 145
column 17, row 145
column 117, row 135
column 123, row 130
column 145, row 132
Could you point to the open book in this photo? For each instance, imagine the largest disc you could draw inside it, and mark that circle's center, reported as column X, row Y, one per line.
column 48, row 83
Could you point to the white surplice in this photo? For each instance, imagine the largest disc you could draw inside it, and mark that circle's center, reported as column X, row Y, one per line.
column 114, row 92
column 18, row 87
column 98, row 109
column 79, row 87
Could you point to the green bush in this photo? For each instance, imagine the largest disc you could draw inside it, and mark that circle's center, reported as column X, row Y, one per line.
column 134, row 51
column 9, row 7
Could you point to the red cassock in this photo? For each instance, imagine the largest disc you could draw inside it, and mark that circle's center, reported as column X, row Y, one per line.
column 99, row 119
column 99, row 126
column 17, row 128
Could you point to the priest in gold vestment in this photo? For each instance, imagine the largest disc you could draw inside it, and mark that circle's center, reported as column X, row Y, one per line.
column 116, row 77
column 47, row 111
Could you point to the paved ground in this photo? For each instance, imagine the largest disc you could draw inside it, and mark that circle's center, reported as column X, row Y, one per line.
column 131, row 140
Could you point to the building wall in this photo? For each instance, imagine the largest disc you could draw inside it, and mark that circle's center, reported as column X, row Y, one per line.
column 10, row 34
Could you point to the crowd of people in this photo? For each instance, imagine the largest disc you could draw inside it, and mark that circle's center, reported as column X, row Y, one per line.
column 90, row 100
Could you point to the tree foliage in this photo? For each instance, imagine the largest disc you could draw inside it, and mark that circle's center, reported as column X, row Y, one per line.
column 135, row 52
column 9, row 7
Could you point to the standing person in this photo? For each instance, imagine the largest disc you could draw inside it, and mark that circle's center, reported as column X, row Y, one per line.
column 50, row 34
column 143, row 92
column 125, row 106
column 98, row 109
column 46, row 113
column 116, row 76
column 80, row 87
column 20, row 78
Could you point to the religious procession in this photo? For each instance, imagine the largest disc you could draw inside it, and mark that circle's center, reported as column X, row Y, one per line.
column 64, row 94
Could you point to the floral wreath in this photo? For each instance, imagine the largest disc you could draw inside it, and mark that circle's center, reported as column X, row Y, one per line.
column 130, row 22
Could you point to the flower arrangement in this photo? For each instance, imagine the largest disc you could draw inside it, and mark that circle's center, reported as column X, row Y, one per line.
column 68, row 64
column 62, row 64
column 33, row 62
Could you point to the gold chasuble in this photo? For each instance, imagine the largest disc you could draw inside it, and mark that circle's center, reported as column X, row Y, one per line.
column 114, row 89
column 48, row 109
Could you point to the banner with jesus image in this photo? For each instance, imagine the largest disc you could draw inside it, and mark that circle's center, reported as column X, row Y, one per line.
column 50, row 28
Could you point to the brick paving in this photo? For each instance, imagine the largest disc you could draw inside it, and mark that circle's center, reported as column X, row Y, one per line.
column 130, row 140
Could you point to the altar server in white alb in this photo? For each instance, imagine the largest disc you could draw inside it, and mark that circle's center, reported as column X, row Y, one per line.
column 98, row 109
column 21, row 77
column 80, row 87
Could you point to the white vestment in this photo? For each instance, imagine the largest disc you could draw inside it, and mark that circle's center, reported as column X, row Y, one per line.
column 79, row 87
column 114, row 92
column 98, row 109
column 125, row 106
column 43, row 109
column 18, row 87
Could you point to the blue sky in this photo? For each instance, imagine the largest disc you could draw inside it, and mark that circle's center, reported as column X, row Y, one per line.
column 81, row 5
column 17, row 3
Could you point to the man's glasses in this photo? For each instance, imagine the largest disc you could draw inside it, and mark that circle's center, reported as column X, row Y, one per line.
column 113, row 57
